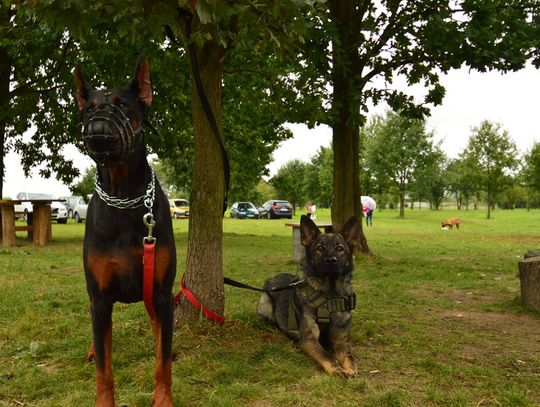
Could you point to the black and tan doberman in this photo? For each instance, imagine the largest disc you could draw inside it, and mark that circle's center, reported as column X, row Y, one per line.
column 129, row 207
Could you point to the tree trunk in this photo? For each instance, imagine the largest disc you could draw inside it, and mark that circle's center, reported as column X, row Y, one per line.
column 5, row 71
column 401, row 204
column 345, row 122
column 489, row 199
column 529, row 277
column 204, row 268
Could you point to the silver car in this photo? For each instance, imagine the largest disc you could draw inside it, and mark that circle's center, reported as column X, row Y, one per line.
column 59, row 212
column 80, row 209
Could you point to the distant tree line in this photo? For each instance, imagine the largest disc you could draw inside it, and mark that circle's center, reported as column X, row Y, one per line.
column 403, row 165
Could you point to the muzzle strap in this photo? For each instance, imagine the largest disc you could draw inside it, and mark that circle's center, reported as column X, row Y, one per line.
column 107, row 122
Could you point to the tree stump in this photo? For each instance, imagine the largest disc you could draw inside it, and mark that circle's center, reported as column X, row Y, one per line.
column 532, row 253
column 529, row 276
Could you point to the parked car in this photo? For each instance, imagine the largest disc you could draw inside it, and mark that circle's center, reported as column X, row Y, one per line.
column 243, row 210
column 276, row 208
column 70, row 202
column 58, row 210
column 179, row 208
column 80, row 210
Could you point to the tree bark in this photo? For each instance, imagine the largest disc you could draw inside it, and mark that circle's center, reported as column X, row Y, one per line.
column 5, row 71
column 345, row 124
column 401, row 204
column 204, row 263
column 529, row 276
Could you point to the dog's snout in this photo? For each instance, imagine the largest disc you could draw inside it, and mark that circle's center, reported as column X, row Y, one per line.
column 331, row 260
column 98, row 127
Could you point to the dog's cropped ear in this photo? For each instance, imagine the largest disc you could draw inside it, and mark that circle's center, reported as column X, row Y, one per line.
column 83, row 90
column 308, row 231
column 141, row 84
column 351, row 231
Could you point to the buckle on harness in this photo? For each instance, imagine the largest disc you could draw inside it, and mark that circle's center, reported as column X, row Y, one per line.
column 336, row 305
column 350, row 302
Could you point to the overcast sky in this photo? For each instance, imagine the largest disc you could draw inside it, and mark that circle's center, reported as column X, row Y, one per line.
column 511, row 100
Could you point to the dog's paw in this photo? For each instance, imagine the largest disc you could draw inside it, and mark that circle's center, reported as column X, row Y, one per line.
column 349, row 366
column 349, row 371
column 332, row 368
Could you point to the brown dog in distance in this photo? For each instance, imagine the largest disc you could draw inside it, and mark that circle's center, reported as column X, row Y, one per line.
column 451, row 222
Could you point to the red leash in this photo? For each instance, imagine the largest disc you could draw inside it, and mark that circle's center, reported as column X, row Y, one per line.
column 149, row 244
column 148, row 278
column 149, row 255
column 209, row 314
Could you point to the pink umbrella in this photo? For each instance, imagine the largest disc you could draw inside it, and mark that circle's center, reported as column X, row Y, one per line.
column 368, row 201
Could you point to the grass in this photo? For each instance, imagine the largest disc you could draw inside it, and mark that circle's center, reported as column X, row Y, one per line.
column 438, row 322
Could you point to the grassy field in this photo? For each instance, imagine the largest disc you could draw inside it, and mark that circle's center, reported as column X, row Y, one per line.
column 438, row 322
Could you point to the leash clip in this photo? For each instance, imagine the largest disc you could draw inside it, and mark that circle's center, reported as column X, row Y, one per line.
column 148, row 220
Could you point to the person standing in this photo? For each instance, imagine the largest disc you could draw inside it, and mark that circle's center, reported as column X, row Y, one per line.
column 368, row 212
column 309, row 209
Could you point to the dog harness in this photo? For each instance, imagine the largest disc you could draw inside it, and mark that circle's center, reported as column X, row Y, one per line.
column 324, row 307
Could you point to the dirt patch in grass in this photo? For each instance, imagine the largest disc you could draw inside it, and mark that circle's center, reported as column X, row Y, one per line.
column 521, row 239
column 466, row 314
column 517, row 333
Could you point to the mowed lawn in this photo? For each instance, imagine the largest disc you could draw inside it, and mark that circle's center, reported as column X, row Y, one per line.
column 438, row 322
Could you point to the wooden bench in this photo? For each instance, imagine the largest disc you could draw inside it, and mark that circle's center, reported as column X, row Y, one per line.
column 298, row 251
column 27, row 228
column 40, row 231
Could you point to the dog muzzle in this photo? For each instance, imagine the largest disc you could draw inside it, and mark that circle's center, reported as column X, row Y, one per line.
column 108, row 135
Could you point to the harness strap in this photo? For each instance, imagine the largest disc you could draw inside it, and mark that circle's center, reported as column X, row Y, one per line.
column 148, row 278
column 234, row 283
column 209, row 314
column 294, row 313
column 324, row 307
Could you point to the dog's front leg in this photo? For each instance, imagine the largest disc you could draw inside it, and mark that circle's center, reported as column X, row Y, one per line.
column 163, row 331
column 101, row 310
column 342, row 350
column 309, row 343
column 344, row 356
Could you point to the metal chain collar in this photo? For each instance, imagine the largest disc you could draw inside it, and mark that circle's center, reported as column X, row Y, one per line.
column 124, row 203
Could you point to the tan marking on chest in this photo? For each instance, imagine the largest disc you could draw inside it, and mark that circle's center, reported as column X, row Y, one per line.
column 106, row 267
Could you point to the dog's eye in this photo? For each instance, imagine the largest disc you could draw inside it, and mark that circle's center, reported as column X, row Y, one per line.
column 320, row 248
column 340, row 249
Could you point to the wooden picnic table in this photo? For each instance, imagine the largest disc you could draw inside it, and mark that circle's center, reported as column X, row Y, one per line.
column 40, row 230
column 298, row 251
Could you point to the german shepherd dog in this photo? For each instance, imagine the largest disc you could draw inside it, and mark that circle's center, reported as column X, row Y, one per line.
column 316, row 310
column 121, row 215
column 451, row 222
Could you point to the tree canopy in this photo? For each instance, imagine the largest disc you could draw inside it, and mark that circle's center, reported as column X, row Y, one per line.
column 531, row 168
column 35, row 89
column 492, row 154
column 399, row 149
